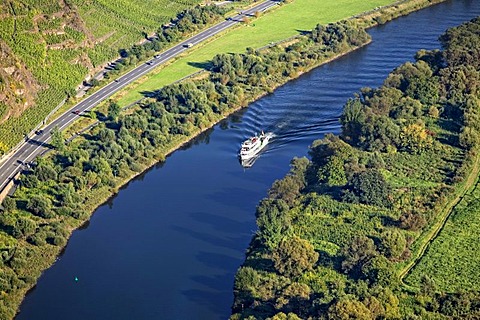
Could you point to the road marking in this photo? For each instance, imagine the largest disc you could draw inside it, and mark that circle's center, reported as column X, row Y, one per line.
column 114, row 86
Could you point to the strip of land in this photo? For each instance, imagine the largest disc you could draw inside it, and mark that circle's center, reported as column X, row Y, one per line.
column 287, row 20
column 57, row 197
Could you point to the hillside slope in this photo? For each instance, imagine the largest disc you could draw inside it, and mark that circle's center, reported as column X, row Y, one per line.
column 47, row 48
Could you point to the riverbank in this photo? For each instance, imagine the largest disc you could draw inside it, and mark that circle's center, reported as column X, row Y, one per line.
column 263, row 34
column 104, row 193
column 338, row 233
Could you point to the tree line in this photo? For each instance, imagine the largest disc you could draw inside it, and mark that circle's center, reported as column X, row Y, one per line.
column 333, row 234
column 186, row 23
column 59, row 191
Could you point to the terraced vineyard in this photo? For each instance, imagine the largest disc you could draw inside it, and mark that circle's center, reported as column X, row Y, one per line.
column 59, row 43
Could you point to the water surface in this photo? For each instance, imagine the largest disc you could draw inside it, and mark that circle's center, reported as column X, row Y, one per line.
column 168, row 245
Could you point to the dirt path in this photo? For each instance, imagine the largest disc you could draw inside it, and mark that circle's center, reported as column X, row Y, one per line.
column 445, row 214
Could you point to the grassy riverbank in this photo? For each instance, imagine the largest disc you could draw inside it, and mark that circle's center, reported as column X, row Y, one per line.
column 337, row 235
column 63, row 189
column 285, row 21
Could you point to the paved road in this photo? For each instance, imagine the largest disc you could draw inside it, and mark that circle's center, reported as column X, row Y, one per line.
column 36, row 145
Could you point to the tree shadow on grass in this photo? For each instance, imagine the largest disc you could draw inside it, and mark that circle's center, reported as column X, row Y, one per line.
column 450, row 127
column 149, row 94
column 388, row 221
column 205, row 65
column 304, row 32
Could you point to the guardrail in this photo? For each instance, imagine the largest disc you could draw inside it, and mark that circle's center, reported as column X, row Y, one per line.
column 124, row 108
column 44, row 122
column 32, row 132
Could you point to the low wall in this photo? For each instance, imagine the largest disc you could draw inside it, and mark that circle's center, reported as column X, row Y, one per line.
column 8, row 187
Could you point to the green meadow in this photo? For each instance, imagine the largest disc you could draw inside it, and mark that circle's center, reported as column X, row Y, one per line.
column 452, row 259
column 283, row 22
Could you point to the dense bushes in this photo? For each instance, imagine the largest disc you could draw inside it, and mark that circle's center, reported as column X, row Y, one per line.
column 365, row 197
column 59, row 191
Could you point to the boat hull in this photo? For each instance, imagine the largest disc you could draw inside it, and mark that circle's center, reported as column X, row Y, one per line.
column 251, row 149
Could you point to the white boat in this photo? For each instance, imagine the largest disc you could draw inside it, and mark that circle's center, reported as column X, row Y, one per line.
column 248, row 163
column 252, row 146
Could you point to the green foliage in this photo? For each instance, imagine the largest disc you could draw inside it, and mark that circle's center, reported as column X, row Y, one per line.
column 51, row 41
column 9, row 204
column 451, row 260
column 287, row 189
column 293, row 256
column 273, row 222
column 113, row 110
column 349, row 309
column 187, row 22
column 40, row 206
column 370, row 196
column 57, row 141
column 283, row 316
column 60, row 188
column 356, row 254
column 393, row 244
column 368, row 187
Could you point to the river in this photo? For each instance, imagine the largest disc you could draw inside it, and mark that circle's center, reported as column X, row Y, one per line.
column 167, row 246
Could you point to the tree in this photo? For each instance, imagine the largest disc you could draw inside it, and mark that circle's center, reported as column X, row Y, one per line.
column 469, row 137
column 40, row 206
column 346, row 309
column 24, row 227
column 57, row 141
column 333, row 172
column 356, row 254
column 45, row 172
column 295, row 297
column 9, row 204
column 94, row 83
column 352, row 119
column 114, row 110
column 379, row 271
column 368, row 187
column 273, row 221
column 413, row 221
column 287, row 189
column 294, row 256
column 392, row 243
column 415, row 138
column 283, row 316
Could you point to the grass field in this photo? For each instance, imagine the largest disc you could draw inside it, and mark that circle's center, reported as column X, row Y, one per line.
column 285, row 21
column 452, row 260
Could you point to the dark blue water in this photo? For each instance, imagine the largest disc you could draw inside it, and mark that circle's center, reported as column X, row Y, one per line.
column 169, row 244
